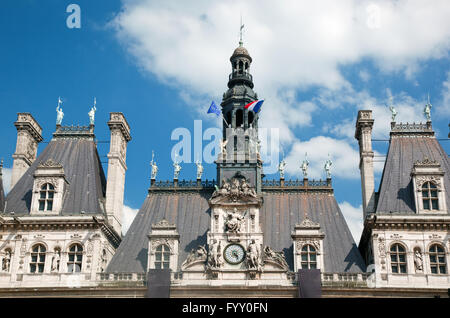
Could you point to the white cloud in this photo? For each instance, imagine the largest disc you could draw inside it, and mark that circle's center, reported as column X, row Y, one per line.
column 345, row 158
column 295, row 45
column 128, row 215
column 353, row 216
column 364, row 75
column 7, row 179
column 444, row 108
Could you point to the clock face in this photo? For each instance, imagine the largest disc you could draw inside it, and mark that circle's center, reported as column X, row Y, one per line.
column 234, row 253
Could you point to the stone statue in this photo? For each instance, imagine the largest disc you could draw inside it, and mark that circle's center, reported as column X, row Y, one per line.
column 224, row 190
column 198, row 254
column 177, row 169
column 92, row 113
column 234, row 221
column 104, row 261
column 327, row 166
column 59, row 112
column 418, row 262
column 6, row 262
column 154, row 169
column 55, row 261
column 247, row 190
column 199, row 169
column 427, row 110
column 223, row 149
column 305, row 165
column 215, row 255
column 276, row 257
column 254, row 256
column 393, row 112
column 281, row 168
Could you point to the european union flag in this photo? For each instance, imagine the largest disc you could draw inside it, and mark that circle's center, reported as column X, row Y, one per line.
column 214, row 109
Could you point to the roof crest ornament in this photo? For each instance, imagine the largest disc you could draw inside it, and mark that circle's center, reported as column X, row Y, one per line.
column 92, row 112
column 392, row 109
column 241, row 43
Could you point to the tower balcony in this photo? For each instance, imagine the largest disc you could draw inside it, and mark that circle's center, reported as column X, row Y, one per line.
column 237, row 77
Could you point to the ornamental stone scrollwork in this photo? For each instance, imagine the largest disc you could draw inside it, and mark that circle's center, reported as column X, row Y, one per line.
column 422, row 179
column 198, row 255
column 426, row 162
column 270, row 256
column 158, row 242
column 42, row 181
column 308, row 224
column 303, row 242
column 50, row 163
column 382, row 252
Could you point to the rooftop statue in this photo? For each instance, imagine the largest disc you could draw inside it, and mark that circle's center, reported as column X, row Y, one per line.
column 154, row 166
column 305, row 165
column 281, row 168
column 427, row 110
column 327, row 166
column 199, row 169
column 177, row 169
column 59, row 112
column 393, row 112
column 92, row 112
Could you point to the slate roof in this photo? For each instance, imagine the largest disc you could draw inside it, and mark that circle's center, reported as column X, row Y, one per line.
column 280, row 212
column 83, row 171
column 396, row 189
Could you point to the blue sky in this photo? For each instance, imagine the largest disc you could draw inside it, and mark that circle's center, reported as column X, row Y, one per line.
column 161, row 64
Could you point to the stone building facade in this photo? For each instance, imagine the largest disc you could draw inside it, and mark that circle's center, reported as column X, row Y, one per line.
column 241, row 235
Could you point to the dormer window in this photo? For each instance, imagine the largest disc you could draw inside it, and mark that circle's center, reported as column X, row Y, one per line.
column 163, row 243
column 429, row 190
column 308, row 245
column 46, row 196
column 430, row 196
column 49, row 187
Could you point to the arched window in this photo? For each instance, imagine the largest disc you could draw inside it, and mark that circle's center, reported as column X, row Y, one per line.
column 162, row 257
column 239, row 118
column 75, row 258
column 46, row 197
column 37, row 262
column 251, row 116
column 398, row 259
column 437, row 259
column 430, row 196
column 241, row 67
column 309, row 257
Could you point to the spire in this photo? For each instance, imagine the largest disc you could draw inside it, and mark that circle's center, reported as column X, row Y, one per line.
column 241, row 43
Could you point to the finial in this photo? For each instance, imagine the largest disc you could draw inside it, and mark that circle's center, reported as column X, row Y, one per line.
column 1, row 167
column 240, row 32
column 305, row 165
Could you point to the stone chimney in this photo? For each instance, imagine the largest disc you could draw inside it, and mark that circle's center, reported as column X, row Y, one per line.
column 363, row 134
column 29, row 135
column 120, row 136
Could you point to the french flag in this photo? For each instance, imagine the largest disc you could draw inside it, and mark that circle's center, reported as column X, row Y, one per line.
column 255, row 106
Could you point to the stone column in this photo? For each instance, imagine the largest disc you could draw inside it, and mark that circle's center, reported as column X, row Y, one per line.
column 120, row 136
column 363, row 134
column 29, row 135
